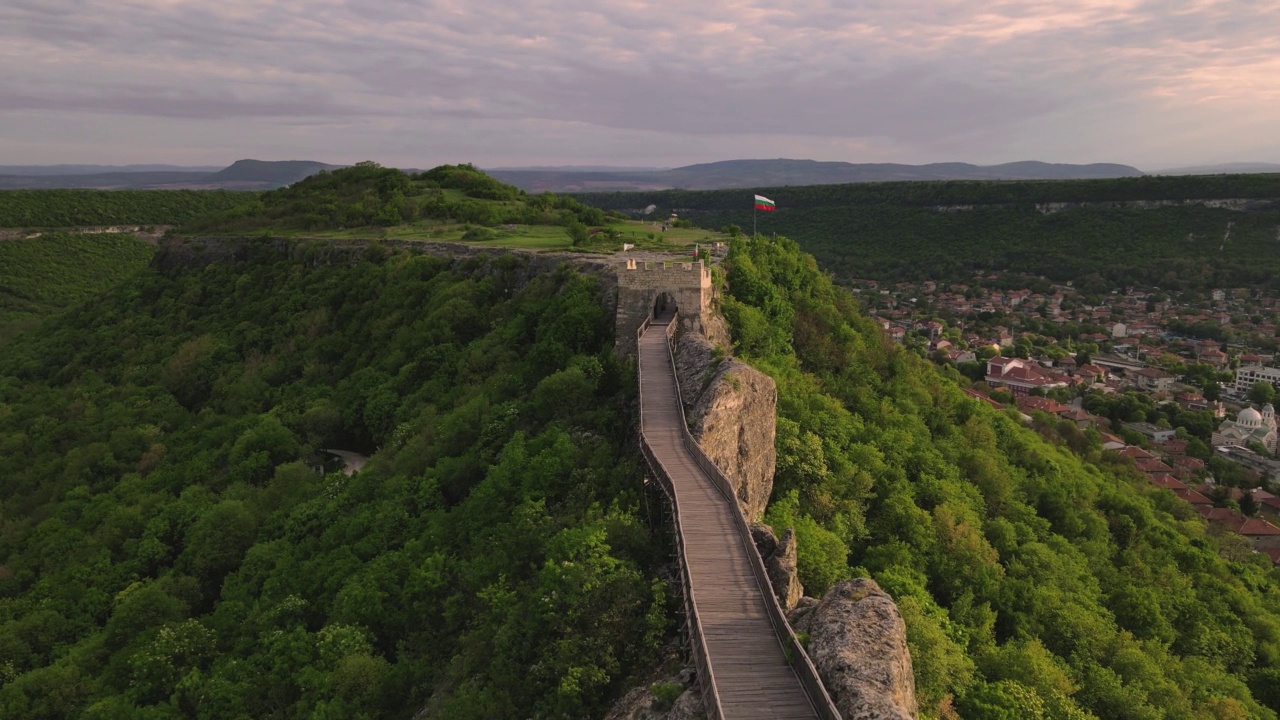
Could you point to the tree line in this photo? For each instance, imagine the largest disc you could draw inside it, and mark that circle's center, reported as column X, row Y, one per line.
column 953, row 230
column 79, row 208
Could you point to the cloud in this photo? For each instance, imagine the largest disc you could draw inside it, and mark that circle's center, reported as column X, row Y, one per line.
column 909, row 80
column 176, row 103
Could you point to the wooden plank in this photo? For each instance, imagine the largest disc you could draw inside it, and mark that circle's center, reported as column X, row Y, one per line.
column 746, row 657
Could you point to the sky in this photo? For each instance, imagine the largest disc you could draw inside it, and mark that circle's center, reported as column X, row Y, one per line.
column 1151, row 83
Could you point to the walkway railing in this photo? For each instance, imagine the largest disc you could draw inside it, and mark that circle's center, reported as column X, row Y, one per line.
column 697, row 637
column 795, row 653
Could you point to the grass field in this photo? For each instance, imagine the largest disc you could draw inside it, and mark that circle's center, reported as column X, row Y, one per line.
column 643, row 235
column 41, row 276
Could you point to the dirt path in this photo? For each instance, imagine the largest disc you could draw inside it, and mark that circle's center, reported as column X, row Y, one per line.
column 149, row 233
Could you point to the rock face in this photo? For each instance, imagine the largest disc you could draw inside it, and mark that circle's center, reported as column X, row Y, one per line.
column 731, row 408
column 858, row 643
column 780, row 561
column 643, row 703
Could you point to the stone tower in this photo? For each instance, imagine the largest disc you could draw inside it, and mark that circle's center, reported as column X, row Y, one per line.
column 644, row 287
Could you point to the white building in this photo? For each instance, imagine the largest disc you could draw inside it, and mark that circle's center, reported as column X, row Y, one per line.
column 1247, row 375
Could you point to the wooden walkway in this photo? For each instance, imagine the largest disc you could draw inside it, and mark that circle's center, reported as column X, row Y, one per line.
column 751, row 672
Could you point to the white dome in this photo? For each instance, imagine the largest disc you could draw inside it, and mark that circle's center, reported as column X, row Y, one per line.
column 1249, row 417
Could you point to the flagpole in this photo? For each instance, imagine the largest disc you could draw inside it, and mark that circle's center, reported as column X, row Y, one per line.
column 753, row 219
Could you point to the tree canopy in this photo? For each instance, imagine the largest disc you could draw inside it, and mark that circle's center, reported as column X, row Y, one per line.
column 368, row 195
column 170, row 550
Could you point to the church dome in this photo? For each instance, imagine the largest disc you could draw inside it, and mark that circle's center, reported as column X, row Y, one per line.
column 1249, row 417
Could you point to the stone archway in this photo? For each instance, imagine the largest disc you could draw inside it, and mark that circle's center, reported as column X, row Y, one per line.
column 664, row 306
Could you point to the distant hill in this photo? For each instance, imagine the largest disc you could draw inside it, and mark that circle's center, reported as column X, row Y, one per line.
column 278, row 174
column 368, row 195
column 241, row 175
column 731, row 174
column 1222, row 169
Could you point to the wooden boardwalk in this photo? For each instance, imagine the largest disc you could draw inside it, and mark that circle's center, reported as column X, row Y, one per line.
column 752, row 676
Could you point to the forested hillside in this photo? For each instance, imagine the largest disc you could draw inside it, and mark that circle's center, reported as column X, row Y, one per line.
column 168, row 549
column 1034, row 582
column 41, row 276
column 370, row 196
column 78, row 208
column 1064, row 230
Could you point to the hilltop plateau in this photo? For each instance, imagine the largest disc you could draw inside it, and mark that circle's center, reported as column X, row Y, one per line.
column 455, row 203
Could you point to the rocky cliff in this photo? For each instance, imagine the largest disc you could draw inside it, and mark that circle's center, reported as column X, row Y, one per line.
column 858, row 643
column 675, row 699
column 731, row 409
column 780, row 561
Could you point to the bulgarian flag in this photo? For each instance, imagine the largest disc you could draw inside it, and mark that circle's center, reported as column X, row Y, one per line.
column 764, row 203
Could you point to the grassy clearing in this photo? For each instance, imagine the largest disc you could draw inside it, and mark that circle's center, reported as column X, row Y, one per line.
column 643, row 235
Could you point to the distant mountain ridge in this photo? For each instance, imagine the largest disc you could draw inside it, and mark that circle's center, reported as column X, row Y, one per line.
column 283, row 172
column 240, row 175
column 730, row 174
column 47, row 170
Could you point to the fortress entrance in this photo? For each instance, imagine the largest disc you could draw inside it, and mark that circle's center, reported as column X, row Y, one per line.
column 653, row 290
column 664, row 307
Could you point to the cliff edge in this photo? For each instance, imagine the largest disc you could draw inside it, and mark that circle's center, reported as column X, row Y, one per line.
column 858, row 643
column 731, row 409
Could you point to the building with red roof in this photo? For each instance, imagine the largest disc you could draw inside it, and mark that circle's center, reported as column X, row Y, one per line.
column 1191, row 496
column 1020, row 376
column 1165, row 480
column 1152, row 465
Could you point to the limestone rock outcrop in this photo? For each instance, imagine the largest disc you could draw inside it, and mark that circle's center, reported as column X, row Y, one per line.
column 858, row 643
column 731, row 410
column 780, row 561
column 643, row 703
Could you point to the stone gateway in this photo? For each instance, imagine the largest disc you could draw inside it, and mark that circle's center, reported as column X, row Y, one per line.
column 648, row 287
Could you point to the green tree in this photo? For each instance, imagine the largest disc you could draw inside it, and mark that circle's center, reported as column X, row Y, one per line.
column 578, row 234
column 1262, row 392
column 216, row 543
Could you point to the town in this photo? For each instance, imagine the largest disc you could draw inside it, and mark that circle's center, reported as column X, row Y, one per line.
column 1178, row 385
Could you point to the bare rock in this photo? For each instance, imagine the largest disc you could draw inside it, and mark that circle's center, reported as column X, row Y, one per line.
column 643, row 703
column 782, row 571
column 858, row 643
column 716, row 330
column 731, row 409
column 804, row 606
column 780, row 562
column 766, row 542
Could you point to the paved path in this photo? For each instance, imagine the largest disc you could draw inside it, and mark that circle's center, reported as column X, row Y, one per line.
column 751, row 672
column 352, row 463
